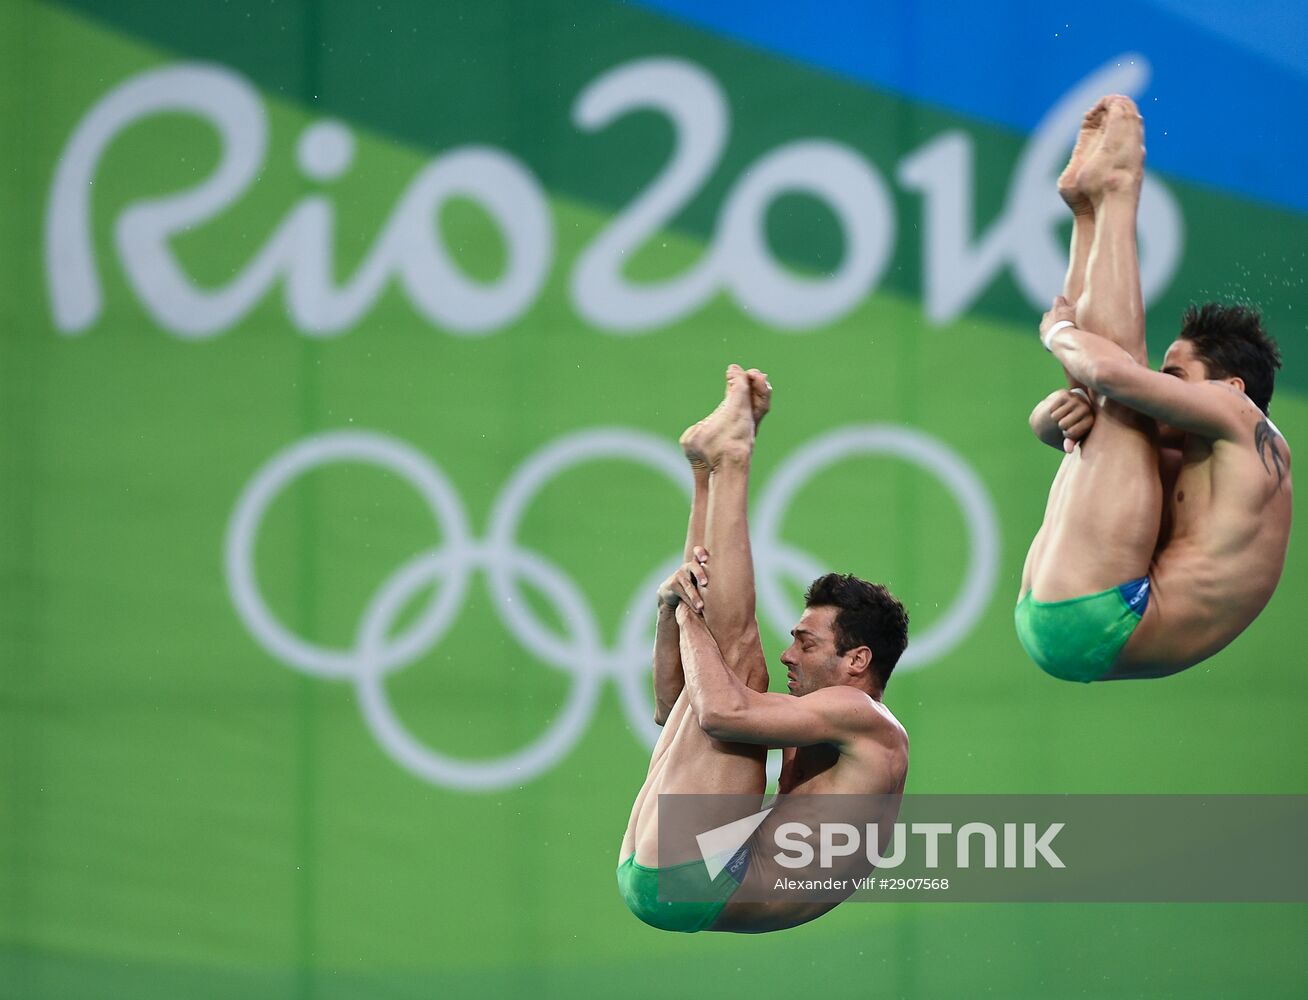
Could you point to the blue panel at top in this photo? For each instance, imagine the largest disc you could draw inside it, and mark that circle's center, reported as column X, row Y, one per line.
column 1225, row 105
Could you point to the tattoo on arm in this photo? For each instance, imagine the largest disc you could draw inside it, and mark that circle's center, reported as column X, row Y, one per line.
column 1265, row 442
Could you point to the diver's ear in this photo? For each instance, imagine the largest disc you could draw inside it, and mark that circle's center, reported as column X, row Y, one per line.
column 860, row 660
column 1236, row 381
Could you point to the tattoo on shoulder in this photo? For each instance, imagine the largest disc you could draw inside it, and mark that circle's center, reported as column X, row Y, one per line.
column 1265, row 441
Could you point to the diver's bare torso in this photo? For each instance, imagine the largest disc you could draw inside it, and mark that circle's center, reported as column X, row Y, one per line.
column 876, row 764
column 873, row 764
column 1226, row 521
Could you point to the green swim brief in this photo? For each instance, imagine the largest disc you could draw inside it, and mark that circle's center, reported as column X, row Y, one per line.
column 1080, row 639
column 691, row 900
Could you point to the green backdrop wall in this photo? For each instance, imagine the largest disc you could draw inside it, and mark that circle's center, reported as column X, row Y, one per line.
column 345, row 347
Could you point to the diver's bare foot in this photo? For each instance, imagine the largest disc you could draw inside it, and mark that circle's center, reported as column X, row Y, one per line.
column 727, row 432
column 760, row 395
column 1087, row 139
column 1116, row 165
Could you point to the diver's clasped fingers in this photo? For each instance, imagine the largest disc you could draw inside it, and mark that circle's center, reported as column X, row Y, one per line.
column 685, row 584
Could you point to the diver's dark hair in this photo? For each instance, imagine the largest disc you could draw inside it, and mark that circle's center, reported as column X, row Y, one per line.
column 867, row 614
column 1231, row 341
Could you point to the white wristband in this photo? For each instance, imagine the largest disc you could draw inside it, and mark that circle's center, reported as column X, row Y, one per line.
column 1048, row 335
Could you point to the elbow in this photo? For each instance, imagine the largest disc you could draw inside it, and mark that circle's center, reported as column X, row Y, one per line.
column 712, row 722
column 1108, row 376
column 718, row 722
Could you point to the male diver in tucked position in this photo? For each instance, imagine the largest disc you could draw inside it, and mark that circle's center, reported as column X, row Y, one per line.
column 710, row 683
column 1166, row 527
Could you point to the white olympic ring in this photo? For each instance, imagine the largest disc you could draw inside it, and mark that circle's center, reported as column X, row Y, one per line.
column 921, row 450
column 580, row 652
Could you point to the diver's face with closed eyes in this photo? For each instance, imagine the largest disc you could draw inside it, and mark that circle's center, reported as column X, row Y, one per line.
column 812, row 661
column 1181, row 362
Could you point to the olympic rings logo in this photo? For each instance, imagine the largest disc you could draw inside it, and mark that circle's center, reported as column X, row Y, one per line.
column 581, row 653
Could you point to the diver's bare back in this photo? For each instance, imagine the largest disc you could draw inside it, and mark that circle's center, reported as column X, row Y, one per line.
column 1226, row 523
column 870, row 768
